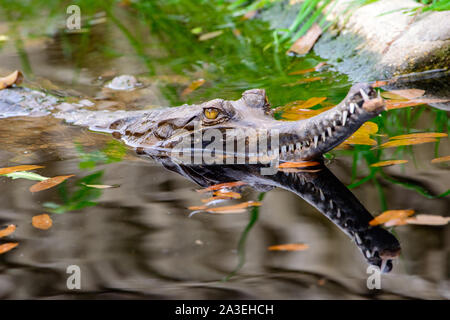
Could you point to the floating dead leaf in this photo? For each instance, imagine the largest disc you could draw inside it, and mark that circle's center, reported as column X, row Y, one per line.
column 197, row 207
column 207, row 201
column 317, row 67
column 101, row 186
column 49, row 183
column 301, row 164
column 295, row 170
column 237, row 208
column 42, row 221
column 5, row 247
column 420, row 135
column 222, row 186
column 18, row 168
column 210, row 35
column 406, row 142
column 391, row 215
column 14, row 78
column 441, row 159
column 408, row 93
column 228, row 194
column 311, row 102
column 428, row 219
column 304, row 44
column 7, row 231
column 192, row 87
column 361, row 136
column 393, row 96
column 289, row 247
column 301, row 114
column 302, row 81
column 379, row 83
column 388, row 163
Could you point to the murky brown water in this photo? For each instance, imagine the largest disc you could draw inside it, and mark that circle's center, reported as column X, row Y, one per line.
column 138, row 240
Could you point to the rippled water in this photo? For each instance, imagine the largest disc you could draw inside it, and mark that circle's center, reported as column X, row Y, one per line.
column 138, row 241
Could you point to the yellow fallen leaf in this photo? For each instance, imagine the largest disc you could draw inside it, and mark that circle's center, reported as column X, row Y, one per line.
column 441, row 159
column 391, row 215
column 5, row 247
column 18, row 168
column 428, row 219
column 289, row 247
column 192, row 87
column 100, row 186
column 7, row 231
column 301, row 164
column 393, row 96
column 388, row 163
column 210, row 35
column 49, row 183
column 302, row 114
column 420, row 135
column 222, row 186
column 406, row 142
column 361, row 136
column 14, row 78
column 304, row 44
column 311, row 102
column 42, row 221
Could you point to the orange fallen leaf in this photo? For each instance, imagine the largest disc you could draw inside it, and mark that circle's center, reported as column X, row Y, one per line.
column 210, row 35
column 301, row 164
column 301, row 114
column 289, row 247
column 237, row 208
column 7, row 231
column 5, row 247
column 406, row 142
column 42, row 221
column 192, row 87
column 302, row 81
column 304, row 44
column 13, row 78
column 197, row 207
column 49, row 183
column 441, row 159
column 311, row 102
column 18, row 168
column 361, row 136
column 420, row 135
column 214, row 199
column 428, row 219
column 379, row 83
column 317, row 67
column 228, row 194
column 388, row 163
column 295, row 170
column 391, row 215
column 222, row 186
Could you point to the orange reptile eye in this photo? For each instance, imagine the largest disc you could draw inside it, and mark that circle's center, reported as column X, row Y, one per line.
column 211, row 113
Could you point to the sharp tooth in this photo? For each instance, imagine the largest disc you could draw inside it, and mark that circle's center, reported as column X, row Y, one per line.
column 307, row 143
column 283, row 149
column 334, row 124
column 329, row 131
column 364, row 95
column 368, row 254
column 322, row 197
column 378, row 94
column 291, row 147
column 358, row 239
column 344, row 117
column 352, row 108
column 338, row 213
column 331, row 204
column 323, row 136
column 298, row 145
column 316, row 139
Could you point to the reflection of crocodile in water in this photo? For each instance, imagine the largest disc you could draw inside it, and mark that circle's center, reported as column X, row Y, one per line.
column 157, row 132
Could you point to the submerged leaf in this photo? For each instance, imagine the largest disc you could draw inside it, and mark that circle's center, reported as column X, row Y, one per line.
column 317, row 67
column 304, row 44
column 18, row 168
column 388, row 163
column 289, row 247
column 101, row 186
column 7, row 231
column 406, row 142
column 192, row 87
column 42, row 221
column 210, row 35
column 5, row 247
column 441, row 159
column 302, row 81
column 49, row 183
column 420, row 135
column 14, row 78
column 391, row 215
column 222, row 186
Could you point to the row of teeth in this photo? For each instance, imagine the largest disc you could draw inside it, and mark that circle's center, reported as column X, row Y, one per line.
column 299, row 146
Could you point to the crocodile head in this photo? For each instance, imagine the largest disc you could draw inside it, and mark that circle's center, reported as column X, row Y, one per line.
column 246, row 122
